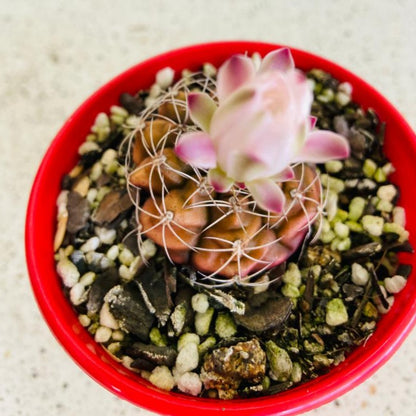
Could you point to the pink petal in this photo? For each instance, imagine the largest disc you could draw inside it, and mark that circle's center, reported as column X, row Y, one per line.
column 235, row 72
column 201, row 107
column 279, row 60
column 286, row 174
column 312, row 121
column 323, row 145
column 267, row 194
column 196, row 148
column 219, row 180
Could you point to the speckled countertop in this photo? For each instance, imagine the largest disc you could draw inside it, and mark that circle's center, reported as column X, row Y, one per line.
column 54, row 54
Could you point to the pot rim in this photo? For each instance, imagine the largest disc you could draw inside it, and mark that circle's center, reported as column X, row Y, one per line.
column 361, row 363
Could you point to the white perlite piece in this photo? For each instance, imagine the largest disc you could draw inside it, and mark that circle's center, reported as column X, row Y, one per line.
column 187, row 338
column 336, row 312
column 190, row 383
column 87, row 147
column 395, row 284
column 106, row 235
column 126, row 257
column 382, row 309
column 148, row 249
column 84, row 320
column 106, row 317
column 200, row 302
column 399, row 216
column 373, row 225
column 359, row 274
column 164, row 77
column 331, row 205
column 88, row 278
column 68, row 272
column 387, row 192
column 78, row 294
column 108, row 157
column 187, row 359
column 292, row 275
column 209, row 70
column 162, row 377
column 103, row 334
column 90, row 245
column 341, row 230
column 113, row 252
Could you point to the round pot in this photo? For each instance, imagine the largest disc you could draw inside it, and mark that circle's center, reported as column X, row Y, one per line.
column 40, row 228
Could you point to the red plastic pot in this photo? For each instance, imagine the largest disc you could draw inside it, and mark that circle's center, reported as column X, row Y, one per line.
column 40, row 229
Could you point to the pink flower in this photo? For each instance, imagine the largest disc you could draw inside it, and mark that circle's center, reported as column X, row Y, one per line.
column 260, row 126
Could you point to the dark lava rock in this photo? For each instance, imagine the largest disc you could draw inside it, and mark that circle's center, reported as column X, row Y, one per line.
column 78, row 212
column 158, row 355
column 112, row 205
column 128, row 307
column 270, row 315
column 101, row 285
column 156, row 293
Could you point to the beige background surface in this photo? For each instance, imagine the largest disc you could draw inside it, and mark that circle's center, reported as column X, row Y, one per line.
column 54, row 54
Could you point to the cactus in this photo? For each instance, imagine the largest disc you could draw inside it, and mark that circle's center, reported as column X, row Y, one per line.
column 227, row 235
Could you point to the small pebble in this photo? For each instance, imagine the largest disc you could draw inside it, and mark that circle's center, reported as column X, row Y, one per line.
column 190, row 383
column 106, row 235
column 345, row 87
column 120, row 111
column 164, row 77
column 103, row 334
column 373, row 224
column 96, row 171
column 359, row 274
column 399, row 216
column 162, row 377
column 106, row 317
column 187, row 359
column 78, row 294
column 113, row 252
column 395, row 284
column 108, row 157
column 187, row 338
column 200, row 302
column 88, row 147
column 88, row 278
column 341, row 230
column 336, row 312
column 102, row 120
column 117, row 335
column 292, row 275
column 387, row 192
column 90, row 245
column 209, row 70
column 84, row 320
column 126, row 257
column 333, row 166
column 342, row 99
column 382, row 309
column 68, row 272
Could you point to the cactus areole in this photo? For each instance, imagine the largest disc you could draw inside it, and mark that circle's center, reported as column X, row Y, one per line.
column 222, row 169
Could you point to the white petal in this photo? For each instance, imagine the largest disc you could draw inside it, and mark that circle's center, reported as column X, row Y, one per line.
column 201, row 107
column 196, row 148
column 286, row 174
column 312, row 121
column 268, row 194
column 234, row 73
column 279, row 60
column 219, row 180
column 323, row 145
